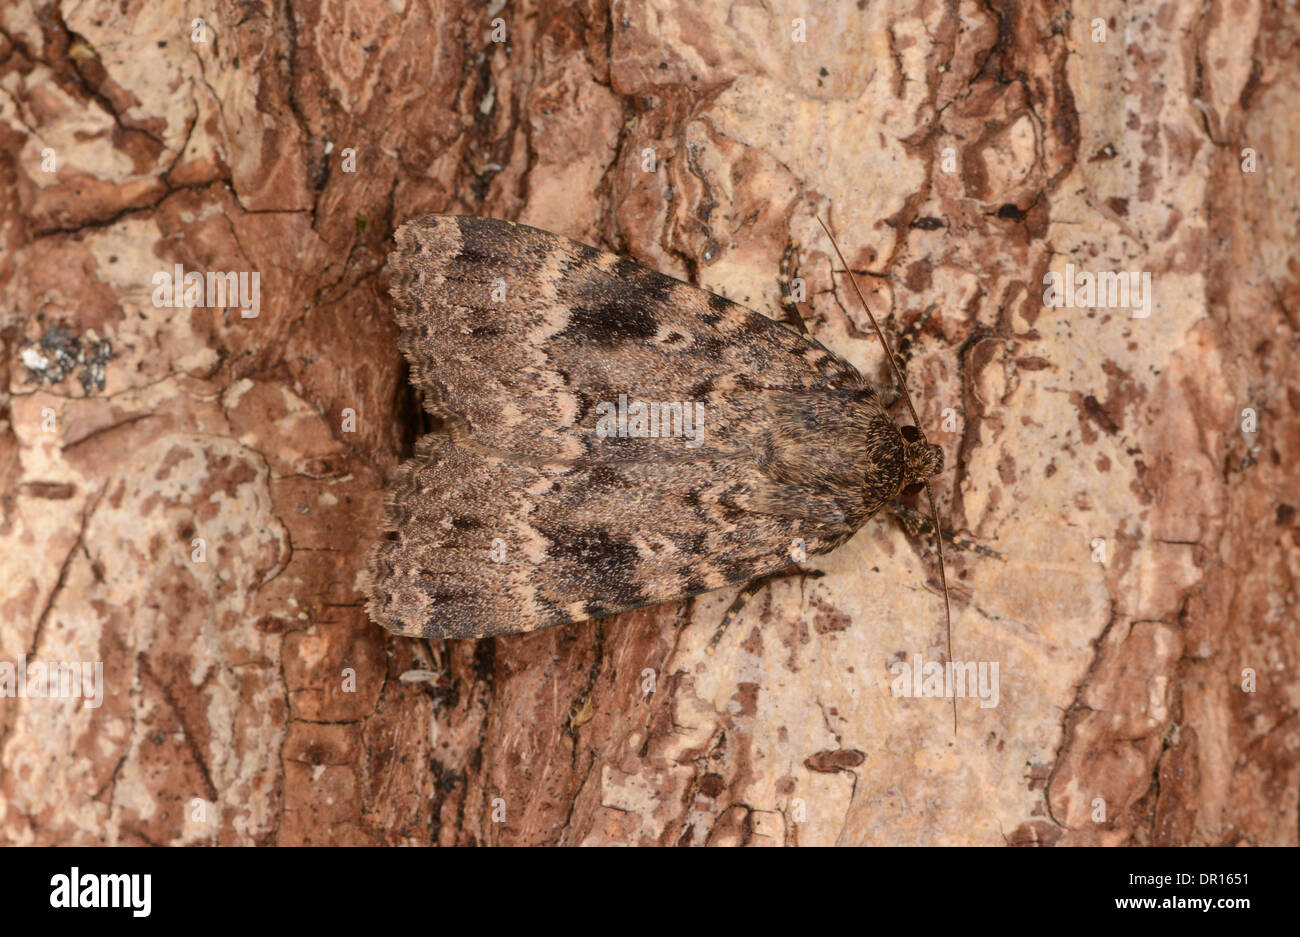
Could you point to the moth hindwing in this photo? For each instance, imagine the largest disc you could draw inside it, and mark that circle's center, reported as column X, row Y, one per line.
column 613, row 438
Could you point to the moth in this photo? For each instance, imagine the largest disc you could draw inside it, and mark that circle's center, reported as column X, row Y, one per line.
column 543, row 499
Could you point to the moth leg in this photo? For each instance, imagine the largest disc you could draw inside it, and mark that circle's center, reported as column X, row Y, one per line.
column 918, row 524
column 742, row 599
column 749, row 591
column 903, row 355
column 909, row 335
column 788, row 306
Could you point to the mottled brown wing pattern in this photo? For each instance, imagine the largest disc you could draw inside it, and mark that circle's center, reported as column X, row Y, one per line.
column 524, row 517
column 523, row 333
column 485, row 545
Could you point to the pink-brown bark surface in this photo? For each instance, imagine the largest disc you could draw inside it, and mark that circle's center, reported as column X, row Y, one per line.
column 187, row 493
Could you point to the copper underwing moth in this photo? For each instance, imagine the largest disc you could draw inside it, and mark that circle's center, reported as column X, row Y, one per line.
column 610, row 438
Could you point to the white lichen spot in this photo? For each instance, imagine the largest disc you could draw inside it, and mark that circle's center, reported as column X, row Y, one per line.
column 33, row 360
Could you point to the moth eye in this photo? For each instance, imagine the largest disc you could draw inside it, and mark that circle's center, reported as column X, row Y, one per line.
column 910, row 433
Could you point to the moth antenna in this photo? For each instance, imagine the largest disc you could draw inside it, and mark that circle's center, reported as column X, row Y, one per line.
column 889, row 353
column 934, row 510
column 947, row 605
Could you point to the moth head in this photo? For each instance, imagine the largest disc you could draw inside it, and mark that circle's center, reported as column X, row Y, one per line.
column 921, row 458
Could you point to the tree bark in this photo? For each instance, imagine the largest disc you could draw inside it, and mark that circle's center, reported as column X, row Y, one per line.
column 188, row 492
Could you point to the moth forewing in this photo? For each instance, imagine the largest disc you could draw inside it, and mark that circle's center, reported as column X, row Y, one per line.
column 549, row 504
